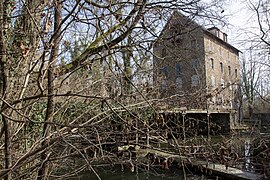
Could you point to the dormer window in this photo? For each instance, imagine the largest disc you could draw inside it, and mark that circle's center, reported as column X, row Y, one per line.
column 217, row 34
column 225, row 37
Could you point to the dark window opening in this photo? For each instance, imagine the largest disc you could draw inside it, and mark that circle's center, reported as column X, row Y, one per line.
column 178, row 41
column 221, row 67
column 212, row 63
column 193, row 43
column 178, row 69
column 163, row 52
column 230, row 71
column 164, row 71
column 194, row 64
column 225, row 37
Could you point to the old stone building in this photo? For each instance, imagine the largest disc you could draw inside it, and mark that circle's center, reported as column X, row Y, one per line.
column 196, row 71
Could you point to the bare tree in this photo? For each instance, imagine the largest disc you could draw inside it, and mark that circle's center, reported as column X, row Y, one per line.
column 57, row 59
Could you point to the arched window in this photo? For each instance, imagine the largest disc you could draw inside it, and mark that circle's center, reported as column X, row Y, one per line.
column 212, row 63
column 177, row 69
column 221, row 67
column 178, row 83
column 163, row 52
column 194, row 80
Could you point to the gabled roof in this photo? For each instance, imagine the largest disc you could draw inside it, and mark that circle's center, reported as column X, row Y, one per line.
column 195, row 24
column 206, row 31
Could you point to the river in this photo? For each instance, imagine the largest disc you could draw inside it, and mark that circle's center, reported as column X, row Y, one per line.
column 243, row 144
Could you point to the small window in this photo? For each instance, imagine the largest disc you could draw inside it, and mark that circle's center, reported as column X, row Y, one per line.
column 164, row 81
column 156, row 44
column 220, row 52
column 222, row 83
column 164, row 71
column 222, row 100
column 230, row 71
column 221, row 67
column 230, row 85
column 236, row 73
column 178, row 69
column 163, row 52
column 211, row 47
column 213, row 81
column 194, row 43
column 178, row 83
column 225, row 37
column 177, row 31
column 178, row 41
column 213, row 99
column 217, row 34
column 194, row 64
column 164, row 84
column 194, row 80
column 212, row 63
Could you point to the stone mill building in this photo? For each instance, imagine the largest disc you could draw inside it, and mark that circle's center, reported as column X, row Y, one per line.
column 197, row 73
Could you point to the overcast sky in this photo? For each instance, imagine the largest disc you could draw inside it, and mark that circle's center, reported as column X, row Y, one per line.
column 242, row 21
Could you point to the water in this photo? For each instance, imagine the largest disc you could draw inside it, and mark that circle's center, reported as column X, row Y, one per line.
column 242, row 145
column 117, row 174
column 247, row 155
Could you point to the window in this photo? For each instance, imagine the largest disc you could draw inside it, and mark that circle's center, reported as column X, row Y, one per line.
column 222, row 100
column 217, row 33
column 230, row 71
column 213, row 99
column 222, row 83
column 164, row 71
column 211, row 47
column 178, row 41
column 236, row 74
column 177, row 31
column 220, row 52
column 178, row 83
column 163, row 52
column 193, row 43
column 213, row 82
column 164, row 84
column 212, row 63
column 164, row 80
column 221, row 67
column 230, row 85
column 194, row 80
column 225, row 37
column 177, row 69
column 194, row 64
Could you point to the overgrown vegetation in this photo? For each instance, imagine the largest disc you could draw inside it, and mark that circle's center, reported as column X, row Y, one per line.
column 76, row 85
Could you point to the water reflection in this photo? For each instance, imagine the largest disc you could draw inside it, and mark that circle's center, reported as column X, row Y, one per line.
column 241, row 146
column 116, row 174
column 247, row 155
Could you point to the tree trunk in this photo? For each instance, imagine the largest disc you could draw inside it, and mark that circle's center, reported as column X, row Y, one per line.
column 127, row 77
column 4, row 11
column 43, row 171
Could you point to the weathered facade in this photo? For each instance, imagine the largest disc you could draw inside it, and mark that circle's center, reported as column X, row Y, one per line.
column 196, row 70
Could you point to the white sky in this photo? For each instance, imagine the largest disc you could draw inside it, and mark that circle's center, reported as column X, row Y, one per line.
column 242, row 21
